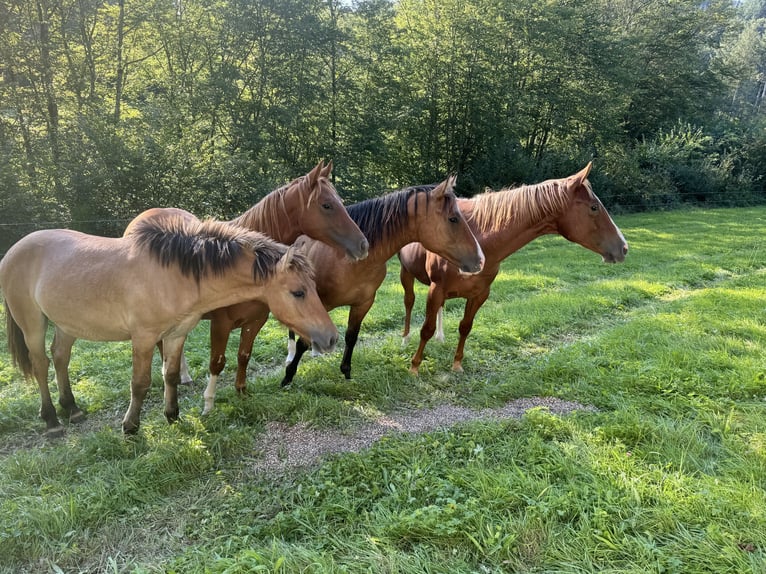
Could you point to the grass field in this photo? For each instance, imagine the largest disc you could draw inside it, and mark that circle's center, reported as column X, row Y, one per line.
column 666, row 474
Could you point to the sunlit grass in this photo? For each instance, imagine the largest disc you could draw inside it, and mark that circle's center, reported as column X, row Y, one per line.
column 668, row 475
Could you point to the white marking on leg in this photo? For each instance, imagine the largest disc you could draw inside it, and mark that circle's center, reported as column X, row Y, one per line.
column 290, row 351
column 186, row 378
column 440, row 325
column 210, row 394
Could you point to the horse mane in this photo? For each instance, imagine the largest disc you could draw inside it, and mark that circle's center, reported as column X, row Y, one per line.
column 199, row 248
column 271, row 210
column 529, row 203
column 387, row 215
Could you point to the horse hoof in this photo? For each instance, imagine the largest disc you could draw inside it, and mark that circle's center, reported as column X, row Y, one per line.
column 129, row 429
column 77, row 416
column 54, row 432
column 172, row 417
column 414, row 370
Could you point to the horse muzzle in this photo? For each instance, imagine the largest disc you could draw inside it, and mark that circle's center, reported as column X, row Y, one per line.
column 323, row 344
column 359, row 251
column 615, row 255
column 472, row 267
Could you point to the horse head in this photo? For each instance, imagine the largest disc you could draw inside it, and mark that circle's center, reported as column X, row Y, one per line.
column 323, row 216
column 445, row 232
column 587, row 222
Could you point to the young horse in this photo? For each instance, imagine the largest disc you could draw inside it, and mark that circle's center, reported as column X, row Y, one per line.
column 389, row 222
column 153, row 285
column 503, row 222
column 308, row 205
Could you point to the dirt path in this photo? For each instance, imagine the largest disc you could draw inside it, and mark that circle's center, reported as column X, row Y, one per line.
column 289, row 447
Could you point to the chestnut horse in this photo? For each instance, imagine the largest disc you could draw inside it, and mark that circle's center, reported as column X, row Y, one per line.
column 308, row 205
column 503, row 222
column 429, row 216
column 152, row 285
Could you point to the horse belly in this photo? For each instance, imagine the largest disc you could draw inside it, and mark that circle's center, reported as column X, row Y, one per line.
column 86, row 318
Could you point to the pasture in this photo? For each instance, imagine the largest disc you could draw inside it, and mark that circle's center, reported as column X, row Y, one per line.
column 664, row 471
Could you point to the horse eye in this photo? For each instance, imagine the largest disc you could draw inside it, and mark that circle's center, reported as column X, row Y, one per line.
column 299, row 294
column 326, row 206
column 594, row 207
column 453, row 219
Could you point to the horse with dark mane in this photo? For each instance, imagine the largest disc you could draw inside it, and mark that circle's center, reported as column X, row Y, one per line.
column 503, row 222
column 308, row 205
column 428, row 215
column 152, row 285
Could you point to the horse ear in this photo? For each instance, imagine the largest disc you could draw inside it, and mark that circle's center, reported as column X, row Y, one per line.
column 439, row 191
column 582, row 175
column 327, row 170
column 287, row 259
column 313, row 175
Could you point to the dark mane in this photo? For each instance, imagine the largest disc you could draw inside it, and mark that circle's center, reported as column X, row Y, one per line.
column 387, row 215
column 207, row 247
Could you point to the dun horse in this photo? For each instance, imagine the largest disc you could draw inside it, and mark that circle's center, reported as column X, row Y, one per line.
column 503, row 222
column 389, row 222
column 308, row 205
column 153, row 285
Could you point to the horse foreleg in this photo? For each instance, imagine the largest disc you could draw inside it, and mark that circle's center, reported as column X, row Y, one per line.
column 356, row 315
column 301, row 346
column 408, row 283
column 171, row 360
column 247, row 337
column 220, row 329
column 439, row 336
column 186, row 378
column 61, row 351
column 472, row 306
column 290, row 347
column 434, row 302
column 139, row 385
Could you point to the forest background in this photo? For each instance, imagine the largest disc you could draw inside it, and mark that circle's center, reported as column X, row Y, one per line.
column 110, row 107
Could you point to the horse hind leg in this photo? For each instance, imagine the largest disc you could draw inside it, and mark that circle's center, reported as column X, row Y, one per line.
column 247, row 336
column 466, row 324
column 61, row 351
column 26, row 342
column 434, row 303
column 407, row 280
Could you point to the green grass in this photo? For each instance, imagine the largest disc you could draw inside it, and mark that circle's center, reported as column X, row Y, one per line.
column 667, row 475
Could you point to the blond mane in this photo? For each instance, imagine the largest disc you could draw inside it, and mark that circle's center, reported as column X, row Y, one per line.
column 270, row 211
column 528, row 203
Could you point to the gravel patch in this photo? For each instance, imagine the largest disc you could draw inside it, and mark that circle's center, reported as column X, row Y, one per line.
column 289, row 447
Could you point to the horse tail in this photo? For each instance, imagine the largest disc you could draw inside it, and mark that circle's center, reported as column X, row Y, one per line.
column 17, row 345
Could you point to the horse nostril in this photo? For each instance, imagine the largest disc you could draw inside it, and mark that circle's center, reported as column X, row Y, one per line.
column 625, row 249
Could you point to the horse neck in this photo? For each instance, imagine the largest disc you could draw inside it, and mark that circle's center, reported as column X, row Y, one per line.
column 409, row 232
column 507, row 238
column 276, row 215
column 234, row 286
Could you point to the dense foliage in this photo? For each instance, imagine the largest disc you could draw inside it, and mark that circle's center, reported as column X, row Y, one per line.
column 108, row 107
